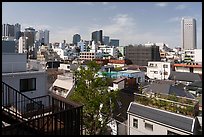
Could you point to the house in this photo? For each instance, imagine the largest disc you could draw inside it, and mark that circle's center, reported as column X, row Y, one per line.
column 63, row 85
column 188, row 67
column 167, row 87
column 30, row 82
column 184, row 77
column 158, row 70
column 146, row 120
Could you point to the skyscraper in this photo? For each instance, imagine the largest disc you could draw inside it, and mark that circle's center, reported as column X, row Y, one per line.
column 7, row 30
column 42, row 36
column 188, row 33
column 17, row 31
column 76, row 39
column 97, row 36
column 30, row 33
column 106, row 40
column 114, row 42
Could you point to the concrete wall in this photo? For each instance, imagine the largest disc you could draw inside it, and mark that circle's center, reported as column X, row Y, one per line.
column 41, row 82
column 13, row 62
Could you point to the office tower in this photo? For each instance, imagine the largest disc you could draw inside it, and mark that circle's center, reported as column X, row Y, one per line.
column 22, row 45
column 7, row 31
column 76, row 39
column 17, row 31
column 97, row 37
column 30, row 33
column 140, row 55
column 46, row 37
column 42, row 36
column 114, row 42
column 106, row 40
column 188, row 33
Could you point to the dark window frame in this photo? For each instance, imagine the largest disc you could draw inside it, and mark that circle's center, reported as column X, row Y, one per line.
column 149, row 126
column 26, row 85
column 135, row 123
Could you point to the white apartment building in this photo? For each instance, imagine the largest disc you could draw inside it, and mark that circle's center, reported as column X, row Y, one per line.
column 158, row 70
column 32, row 83
column 22, row 45
column 193, row 55
column 110, row 50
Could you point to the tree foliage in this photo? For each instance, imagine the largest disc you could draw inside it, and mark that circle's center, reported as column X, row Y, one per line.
column 93, row 93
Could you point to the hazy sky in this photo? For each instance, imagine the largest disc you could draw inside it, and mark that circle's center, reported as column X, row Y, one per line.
column 130, row 22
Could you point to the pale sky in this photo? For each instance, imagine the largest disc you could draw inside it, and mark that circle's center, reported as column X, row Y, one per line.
column 130, row 22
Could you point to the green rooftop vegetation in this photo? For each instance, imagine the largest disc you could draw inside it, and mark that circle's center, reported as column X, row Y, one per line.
column 170, row 103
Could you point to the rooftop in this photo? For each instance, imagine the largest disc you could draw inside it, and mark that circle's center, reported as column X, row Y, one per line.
column 162, row 116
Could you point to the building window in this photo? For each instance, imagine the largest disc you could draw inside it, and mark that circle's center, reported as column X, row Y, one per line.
column 27, row 84
column 165, row 66
column 155, row 72
column 149, row 126
column 171, row 133
column 135, row 123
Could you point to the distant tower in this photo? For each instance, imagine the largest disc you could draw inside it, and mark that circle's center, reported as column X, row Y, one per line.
column 76, row 39
column 97, row 36
column 17, row 31
column 106, row 40
column 188, row 33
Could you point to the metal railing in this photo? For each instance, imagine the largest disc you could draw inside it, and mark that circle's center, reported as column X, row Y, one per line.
column 53, row 115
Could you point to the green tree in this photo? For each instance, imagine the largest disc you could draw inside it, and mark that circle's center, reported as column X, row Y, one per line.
column 93, row 93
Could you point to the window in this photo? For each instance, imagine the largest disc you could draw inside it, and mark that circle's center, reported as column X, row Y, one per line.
column 27, row 84
column 165, row 66
column 155, row 72
column 149, row 126
column 171, row 133
column 135, row 123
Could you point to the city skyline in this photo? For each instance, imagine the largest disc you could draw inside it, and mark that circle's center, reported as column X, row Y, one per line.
column 130, row 22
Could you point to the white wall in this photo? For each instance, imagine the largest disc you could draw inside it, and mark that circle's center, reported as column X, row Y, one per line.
column 116, row 65
column 198, row 55
column 141, row 130
column 154, row 72
column 65, row 67
column 182, row 69
column 41, row 82
column 13, row 62
column 197, row 70
column 120, row 85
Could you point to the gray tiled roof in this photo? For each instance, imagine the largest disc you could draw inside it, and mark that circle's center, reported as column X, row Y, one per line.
column 165, row 117
column 184, row 76
column 167, row 88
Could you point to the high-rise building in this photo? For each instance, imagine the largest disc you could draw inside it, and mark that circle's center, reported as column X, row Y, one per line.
column 114, row 42
column 106, row 40
column 30, row 33
column 76, row 39
column 188, row 33
column 22, row 45
column 140, row 54
column 17, row 31
column 42, row 36
column 46, row 37
column 97, row 37
column 7, row 31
